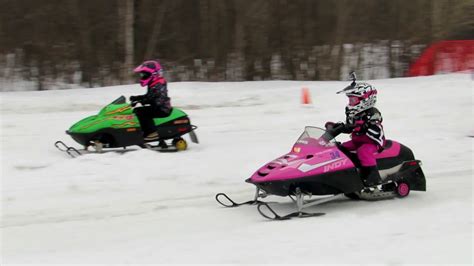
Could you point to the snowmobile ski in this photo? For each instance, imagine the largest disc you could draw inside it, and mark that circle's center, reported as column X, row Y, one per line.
column 98, row 148
column 300, row 202
column 71, row 151
column 275, row 216
column 233, row 203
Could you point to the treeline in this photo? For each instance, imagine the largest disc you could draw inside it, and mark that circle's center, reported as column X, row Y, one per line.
column 56, row 43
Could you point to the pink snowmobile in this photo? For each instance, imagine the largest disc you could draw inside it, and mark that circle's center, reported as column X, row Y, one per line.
column 318, row 165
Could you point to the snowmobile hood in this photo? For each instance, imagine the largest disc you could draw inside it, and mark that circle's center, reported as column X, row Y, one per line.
column 310, row 156
column 116, row 109
column 111, row 116
column 295, row 165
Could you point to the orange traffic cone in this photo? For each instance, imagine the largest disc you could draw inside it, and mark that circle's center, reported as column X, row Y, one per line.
column 305, row 97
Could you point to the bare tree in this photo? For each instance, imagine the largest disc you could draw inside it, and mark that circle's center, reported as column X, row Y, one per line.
column 129, row 40
column 156, row 30
column 97, row 42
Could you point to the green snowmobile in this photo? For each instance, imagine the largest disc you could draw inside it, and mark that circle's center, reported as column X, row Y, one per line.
column 116, row 126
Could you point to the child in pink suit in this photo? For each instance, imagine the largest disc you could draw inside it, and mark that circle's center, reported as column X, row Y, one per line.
column 364, row 123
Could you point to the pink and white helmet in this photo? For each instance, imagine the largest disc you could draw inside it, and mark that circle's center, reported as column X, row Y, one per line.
column 150, row 72
column 362, row 96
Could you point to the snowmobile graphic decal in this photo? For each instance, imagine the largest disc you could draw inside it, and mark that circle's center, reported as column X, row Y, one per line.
column 126, row 124
column 95, row 123
column 308, row 167
column 119, row 110
column 124, row 117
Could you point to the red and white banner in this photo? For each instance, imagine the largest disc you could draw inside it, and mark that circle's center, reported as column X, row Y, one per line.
column 444, row 57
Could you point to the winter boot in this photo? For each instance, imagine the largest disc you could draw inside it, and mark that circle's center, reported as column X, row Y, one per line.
column 151, row 137
column 370, row 176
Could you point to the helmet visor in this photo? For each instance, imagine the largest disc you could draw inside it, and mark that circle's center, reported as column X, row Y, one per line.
column 354, row 100
column 144, row 75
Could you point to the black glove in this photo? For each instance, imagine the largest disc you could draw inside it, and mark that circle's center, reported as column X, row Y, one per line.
column 347, row 129
column 329, row 125
column 339, row 124
column 134, row 100
column 342, row 128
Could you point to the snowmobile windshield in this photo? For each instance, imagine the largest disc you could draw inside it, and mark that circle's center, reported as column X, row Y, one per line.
column 112, row 105
column 316, row 135
column 119, row 100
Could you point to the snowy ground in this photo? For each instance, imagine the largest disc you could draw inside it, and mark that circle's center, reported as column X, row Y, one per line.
column 149, row 207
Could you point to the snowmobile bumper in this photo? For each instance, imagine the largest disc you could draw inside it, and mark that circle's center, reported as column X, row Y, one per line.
column 412, row 173
column 81, row 138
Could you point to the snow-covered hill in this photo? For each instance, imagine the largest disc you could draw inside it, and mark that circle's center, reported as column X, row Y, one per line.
column 150, row 207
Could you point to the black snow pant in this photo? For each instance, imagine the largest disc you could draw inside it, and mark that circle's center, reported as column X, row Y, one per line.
column 145, row 115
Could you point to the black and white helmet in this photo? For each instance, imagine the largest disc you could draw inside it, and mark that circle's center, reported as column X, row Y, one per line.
column 362, row 96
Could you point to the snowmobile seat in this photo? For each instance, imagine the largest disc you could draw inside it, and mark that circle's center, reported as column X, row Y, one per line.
column 405, row 154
